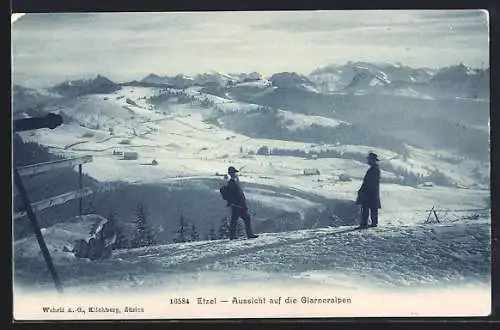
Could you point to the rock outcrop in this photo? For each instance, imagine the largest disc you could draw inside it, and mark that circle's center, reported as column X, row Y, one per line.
column 99, row 244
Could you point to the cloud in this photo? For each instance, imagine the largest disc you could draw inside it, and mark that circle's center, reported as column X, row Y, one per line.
column 465, row 30
column 129, row 45
column 380, row 22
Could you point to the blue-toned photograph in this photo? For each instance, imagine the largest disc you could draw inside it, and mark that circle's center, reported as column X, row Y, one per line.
column 335, row 152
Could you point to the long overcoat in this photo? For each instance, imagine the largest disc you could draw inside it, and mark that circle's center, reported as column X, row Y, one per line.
column 369, row 193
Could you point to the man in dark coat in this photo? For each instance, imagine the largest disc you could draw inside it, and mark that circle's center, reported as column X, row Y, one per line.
column 237, row 201
column 369, row 193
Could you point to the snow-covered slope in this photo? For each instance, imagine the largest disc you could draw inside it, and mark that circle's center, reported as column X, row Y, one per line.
column 292, row 80
column 397, row 79
column 297, row 121
column 388, row 259
column 351, row 76
column 296, row 174
column 192, row 141
column 193, row 136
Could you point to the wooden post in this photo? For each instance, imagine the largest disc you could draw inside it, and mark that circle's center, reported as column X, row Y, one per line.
column 428, row 217
column 35, row 169
column 80, row 186
column 55, row 200
column 37, row 230
column 435, row 214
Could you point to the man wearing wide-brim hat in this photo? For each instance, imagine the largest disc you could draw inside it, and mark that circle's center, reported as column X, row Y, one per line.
column 369, row 193
column 239, row 209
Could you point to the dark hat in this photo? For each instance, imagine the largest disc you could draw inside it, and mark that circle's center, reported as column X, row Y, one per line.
column 231, row 169
column 373, row 155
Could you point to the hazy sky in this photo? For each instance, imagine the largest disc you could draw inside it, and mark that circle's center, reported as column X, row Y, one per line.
column 48, row 48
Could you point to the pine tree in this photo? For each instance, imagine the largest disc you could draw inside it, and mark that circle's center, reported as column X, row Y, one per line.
column 121, row 239
column 211, row 234
column 193, row 233
column 223, row 231
column 142, row 235
column 182, row 231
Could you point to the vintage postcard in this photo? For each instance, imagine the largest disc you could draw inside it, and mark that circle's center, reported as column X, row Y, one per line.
column 274, row 164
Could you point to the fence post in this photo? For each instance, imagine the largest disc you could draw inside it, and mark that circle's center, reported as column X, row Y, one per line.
column 429, row 216
column 36, row 228
column 435, row 214
column 80, row 186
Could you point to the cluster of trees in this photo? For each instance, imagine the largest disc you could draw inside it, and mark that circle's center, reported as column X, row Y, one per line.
column 438, row 178
column 264, row 150
column 325, row 153
column 404, row 176
column 188, row 232
column 409, row 178
column 263, row 110
column 141, row 235
column 165, row 94
column 181, row 96
column 144, row 224
column 207, row 103
column 223, row 230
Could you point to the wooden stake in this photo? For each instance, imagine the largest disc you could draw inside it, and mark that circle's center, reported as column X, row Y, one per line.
column 37, row 230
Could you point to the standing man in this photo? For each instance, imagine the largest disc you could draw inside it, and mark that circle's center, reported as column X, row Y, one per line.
column 235, row 198
column 369, row 193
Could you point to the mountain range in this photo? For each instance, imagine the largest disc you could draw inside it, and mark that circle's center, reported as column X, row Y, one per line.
column 355, row 77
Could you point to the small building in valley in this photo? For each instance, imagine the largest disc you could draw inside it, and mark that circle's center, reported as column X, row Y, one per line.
column 130, row 155
column 311, row 171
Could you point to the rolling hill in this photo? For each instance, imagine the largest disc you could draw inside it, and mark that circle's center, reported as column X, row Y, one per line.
column 284, row 130
column 300, row 143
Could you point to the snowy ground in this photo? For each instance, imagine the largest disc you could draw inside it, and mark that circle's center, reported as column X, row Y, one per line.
column 398, row 260
column 186, row 146
column 298, row 121
column 403, row 256
column 400, row 256
column 179, row 135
